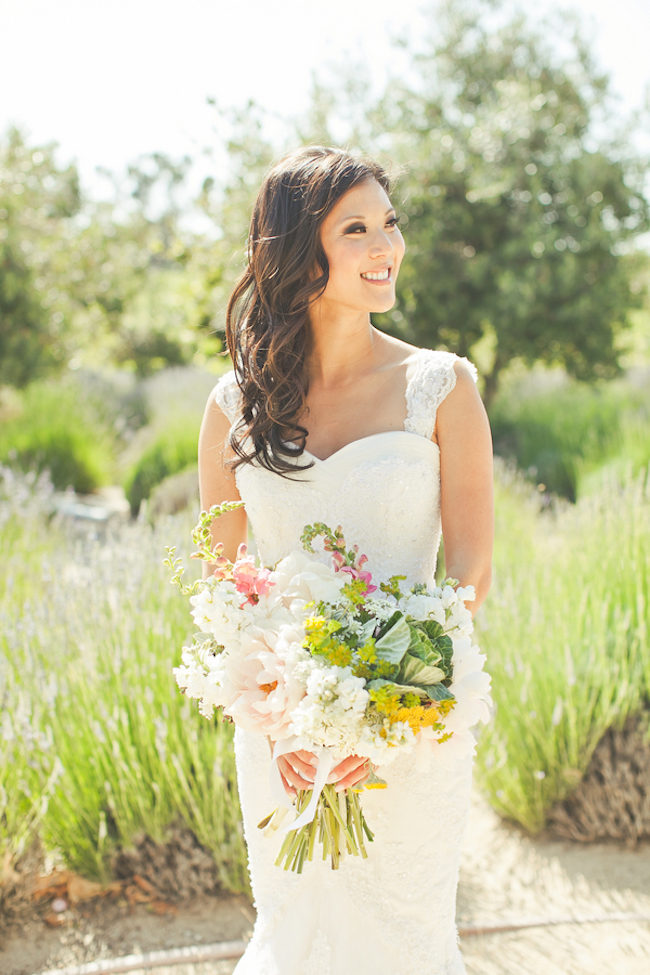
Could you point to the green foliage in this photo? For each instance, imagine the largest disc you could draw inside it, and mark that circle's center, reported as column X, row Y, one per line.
column 562, row 436
column 91, row 283
column 53, row 427
column 565, row 630
column 37, row 199
column 174, row 449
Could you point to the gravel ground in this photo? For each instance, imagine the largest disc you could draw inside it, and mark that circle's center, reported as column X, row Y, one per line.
column 542, row 908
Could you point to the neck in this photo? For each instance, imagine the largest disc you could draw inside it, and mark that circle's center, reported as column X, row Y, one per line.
column 341, row 348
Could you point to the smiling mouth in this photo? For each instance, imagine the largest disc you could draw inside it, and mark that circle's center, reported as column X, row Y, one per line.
column 380, row 276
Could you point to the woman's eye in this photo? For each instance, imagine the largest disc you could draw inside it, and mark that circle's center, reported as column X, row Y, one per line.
column 360, row 228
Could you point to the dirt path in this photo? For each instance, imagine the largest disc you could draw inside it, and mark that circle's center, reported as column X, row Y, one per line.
column 506, row 880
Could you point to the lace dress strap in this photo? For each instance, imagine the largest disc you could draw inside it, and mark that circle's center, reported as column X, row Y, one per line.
column 430, row 378
column 227, row 396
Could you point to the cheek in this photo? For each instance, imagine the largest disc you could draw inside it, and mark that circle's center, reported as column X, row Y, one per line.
column 344, row 260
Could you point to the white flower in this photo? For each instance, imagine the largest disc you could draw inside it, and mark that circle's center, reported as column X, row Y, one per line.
column 448, row 596
column 201, row 676
column 216, row 610
column 333, row 710
column 466, row 594
column 262, row 687
column 303, row 580
column 422, row 606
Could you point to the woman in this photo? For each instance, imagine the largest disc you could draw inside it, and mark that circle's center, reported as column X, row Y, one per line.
column 327, row 419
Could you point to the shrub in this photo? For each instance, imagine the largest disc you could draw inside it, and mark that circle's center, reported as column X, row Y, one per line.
column 174, row 449
column 54, row 427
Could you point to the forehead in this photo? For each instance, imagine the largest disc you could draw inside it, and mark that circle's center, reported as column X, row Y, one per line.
column 361, row 200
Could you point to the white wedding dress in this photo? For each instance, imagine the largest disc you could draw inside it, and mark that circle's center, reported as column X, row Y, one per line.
column 394, row 912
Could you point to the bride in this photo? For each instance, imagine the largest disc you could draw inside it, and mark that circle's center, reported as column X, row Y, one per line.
column 325, row 418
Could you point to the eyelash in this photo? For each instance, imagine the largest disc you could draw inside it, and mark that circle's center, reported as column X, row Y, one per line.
column 393, row 222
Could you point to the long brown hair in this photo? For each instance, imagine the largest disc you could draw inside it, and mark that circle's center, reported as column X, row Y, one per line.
column 267, row 317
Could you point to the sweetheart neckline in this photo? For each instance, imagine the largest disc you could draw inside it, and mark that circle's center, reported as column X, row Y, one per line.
column 370, row 436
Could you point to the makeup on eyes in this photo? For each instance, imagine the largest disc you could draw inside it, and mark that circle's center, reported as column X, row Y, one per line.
column 392, row 221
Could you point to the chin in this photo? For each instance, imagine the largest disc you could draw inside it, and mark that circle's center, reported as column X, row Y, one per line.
column 379, row 307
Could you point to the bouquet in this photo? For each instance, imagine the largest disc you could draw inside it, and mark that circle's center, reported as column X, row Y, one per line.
column 315, row 656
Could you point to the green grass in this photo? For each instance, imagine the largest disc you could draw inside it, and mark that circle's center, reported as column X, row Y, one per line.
column 565, row 630
column 175, row 400
column 569, row 436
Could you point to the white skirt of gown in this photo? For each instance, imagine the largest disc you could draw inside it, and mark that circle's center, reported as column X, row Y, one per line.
column 390, row 914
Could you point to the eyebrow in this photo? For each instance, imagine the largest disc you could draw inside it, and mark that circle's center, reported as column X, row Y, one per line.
column 360, row 216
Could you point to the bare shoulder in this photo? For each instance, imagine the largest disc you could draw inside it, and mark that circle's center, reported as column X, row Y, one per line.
column 214, row 416
column 465, row 375
column 214, row 434
column 461, row 412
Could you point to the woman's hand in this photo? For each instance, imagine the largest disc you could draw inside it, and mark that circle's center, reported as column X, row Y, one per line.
column 298, row 770
column 350, row 772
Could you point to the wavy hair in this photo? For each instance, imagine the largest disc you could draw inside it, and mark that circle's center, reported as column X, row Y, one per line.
column 267, row 322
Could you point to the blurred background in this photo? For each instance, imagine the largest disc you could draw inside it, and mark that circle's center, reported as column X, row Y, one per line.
column 133, row 138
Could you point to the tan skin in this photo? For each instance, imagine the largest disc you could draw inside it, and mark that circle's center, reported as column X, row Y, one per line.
column 357, row 380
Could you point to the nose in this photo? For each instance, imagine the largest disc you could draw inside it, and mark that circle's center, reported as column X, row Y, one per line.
column 380, row 244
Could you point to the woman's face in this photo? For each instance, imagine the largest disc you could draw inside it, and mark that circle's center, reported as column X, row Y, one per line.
column 364, row 248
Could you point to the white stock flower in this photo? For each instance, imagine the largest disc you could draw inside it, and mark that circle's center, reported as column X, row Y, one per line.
column 470, row 686
column 216, row 610
column 466, row 593
column 333, row 710
column 448, row 596
column 201, row 676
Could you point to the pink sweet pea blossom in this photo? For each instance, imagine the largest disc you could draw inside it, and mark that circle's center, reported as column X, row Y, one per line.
column 250, row 580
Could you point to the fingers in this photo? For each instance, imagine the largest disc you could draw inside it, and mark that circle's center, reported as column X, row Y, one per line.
column 350, row 772
column 297, row 771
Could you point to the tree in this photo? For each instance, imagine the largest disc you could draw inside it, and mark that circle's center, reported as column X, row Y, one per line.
column 88, row 282
column 521, row 197
column 37, row 197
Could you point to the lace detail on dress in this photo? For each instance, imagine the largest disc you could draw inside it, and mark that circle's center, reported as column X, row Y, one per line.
column 227, row 396
column 431, row 377
column 394, row 912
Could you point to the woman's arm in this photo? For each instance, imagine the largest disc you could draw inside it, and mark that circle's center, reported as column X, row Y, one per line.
column 466, row 493
column 217, row 481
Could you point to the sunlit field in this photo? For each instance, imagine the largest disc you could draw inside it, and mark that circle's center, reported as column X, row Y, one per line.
column 98, row 744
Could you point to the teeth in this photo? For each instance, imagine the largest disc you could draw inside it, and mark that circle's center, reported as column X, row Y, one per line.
column 377, row 275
